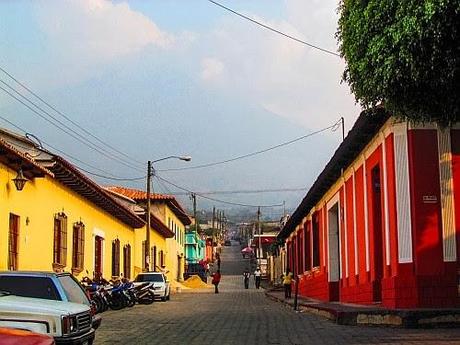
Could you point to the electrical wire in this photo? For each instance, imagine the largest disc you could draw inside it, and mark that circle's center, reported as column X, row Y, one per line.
column 249, row 191
column 217, row 200
column 275, row 30
column 254, row 153
column 67, row 117
column 113, row 177
column 68, row 131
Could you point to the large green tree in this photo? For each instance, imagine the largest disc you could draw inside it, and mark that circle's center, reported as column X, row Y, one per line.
column 404, row 54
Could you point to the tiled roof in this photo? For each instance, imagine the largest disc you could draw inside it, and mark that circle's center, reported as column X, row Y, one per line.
column 70, row 176
column 365, row 128
column 140, row 195
column 15, row 159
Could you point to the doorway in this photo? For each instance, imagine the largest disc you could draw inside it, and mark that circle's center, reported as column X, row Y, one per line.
column 98, row 243
column 13, row 242
column 334, row 253
column 377, row 233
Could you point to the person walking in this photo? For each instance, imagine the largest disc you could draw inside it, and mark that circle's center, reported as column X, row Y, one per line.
column 246, row 276
column 287, row 282
column 216, row 280
column 257, row 277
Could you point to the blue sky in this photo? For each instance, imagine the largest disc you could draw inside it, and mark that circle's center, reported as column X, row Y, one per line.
column 155, row 78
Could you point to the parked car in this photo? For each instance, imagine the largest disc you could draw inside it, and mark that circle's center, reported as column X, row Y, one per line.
column 67, row 322
column 159, row 281
column 10, row 336
column 227, row 243
column 47, row 285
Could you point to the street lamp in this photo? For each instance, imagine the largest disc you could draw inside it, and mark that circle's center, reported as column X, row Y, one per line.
column 149, row 178
column 19, row 180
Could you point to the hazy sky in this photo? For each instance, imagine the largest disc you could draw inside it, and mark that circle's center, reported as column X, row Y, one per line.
column 165, row 77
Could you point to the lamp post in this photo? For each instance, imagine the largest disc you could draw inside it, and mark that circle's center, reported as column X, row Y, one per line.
column 150, row 173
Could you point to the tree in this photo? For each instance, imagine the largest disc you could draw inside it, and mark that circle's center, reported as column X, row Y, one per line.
column 404, row 55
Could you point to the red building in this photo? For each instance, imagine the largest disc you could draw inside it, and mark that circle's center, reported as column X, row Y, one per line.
column 381, row 223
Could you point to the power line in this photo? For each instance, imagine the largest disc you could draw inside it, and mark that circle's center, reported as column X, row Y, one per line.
column 74, row 158
column 275, row 30
column 67, row 117
column 253, row 153
column 249, row 191
column 66, row 129
column 214, row 199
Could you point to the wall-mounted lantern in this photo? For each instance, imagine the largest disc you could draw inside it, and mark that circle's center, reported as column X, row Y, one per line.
column 19, row 180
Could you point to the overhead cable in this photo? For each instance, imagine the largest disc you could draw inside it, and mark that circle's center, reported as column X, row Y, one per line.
column 67, row 130
column 68, row 118
column 214, row 199
column 254, row 153
column 112, row 177
column 275, row 30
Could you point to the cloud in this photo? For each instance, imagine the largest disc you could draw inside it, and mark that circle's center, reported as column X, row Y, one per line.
column 84, row 35
column 282, row 76
column 211, row 69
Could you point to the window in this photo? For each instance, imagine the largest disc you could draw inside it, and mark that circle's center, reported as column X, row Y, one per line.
column 36, row 287
column 145, row 255
column 315, row 241
column 116, row 258
column 73, row 290
column 308, row 247
column 127, row 261
column 13, row 242
column 154, row 257
column 162, row 259
column 78, row 246
column 60, row 241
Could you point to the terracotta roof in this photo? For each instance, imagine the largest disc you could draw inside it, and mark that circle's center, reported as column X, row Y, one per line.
column 365, row 128
column 70, row 176
column 15, row 159
column 140, row 195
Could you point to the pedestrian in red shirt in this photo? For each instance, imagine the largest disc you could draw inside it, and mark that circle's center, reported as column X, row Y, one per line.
column 216, row 280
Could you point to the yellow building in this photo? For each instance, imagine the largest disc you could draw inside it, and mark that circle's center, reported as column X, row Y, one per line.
column 167, row 210
column 61, row 220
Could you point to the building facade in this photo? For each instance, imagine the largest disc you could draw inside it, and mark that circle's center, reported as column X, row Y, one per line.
column 60, row 220
column 381, row 223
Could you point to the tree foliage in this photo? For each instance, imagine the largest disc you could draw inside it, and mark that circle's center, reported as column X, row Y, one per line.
column 405, row 55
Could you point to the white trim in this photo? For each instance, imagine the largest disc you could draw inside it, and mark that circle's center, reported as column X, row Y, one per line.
column 335, row 200
column 99, row 232
column 355, row 235
column 345, row 227
column 449, row 243
column 325, row 238
column 366, row 217
column 403, row 202
column 385, row 201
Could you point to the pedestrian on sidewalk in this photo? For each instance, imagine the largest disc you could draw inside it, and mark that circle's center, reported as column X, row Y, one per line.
column 246, row 276
column 216, row 280
column 257, row 277
column 287, row 282
column 218, row 261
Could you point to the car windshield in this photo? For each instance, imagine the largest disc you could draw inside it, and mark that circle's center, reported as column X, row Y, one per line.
column 150, row 278
column 73, row 290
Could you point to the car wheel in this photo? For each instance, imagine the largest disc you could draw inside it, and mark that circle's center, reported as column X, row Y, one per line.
column 168, row 297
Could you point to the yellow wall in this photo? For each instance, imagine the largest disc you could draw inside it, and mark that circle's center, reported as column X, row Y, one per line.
column 175, row 256
column 38, row 202
column 155, row 240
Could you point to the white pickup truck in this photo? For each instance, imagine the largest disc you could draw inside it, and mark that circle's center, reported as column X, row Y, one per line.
column 67, row 322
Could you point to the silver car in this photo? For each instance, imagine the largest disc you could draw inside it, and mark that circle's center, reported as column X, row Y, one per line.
column 160, row 284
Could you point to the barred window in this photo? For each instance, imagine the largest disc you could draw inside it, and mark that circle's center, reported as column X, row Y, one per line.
column 116, row 258
column 315, row 241
column 78, row 246
column 145, row 254
column 13, row 242
column 162, row 258
column 127, row 261
column 60, row 240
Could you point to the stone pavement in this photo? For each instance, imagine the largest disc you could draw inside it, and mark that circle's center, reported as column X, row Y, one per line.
column 239, row 316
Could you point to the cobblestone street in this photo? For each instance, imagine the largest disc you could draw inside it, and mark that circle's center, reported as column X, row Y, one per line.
column 238, row 316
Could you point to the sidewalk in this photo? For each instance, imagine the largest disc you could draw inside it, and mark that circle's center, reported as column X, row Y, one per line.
column 354, row 314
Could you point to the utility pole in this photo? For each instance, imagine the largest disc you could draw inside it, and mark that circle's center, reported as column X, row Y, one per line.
column 147, row 234
column 343, row 128
column 260, row 237
column 284, row 209
column 193, row 196
column 213, row 229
